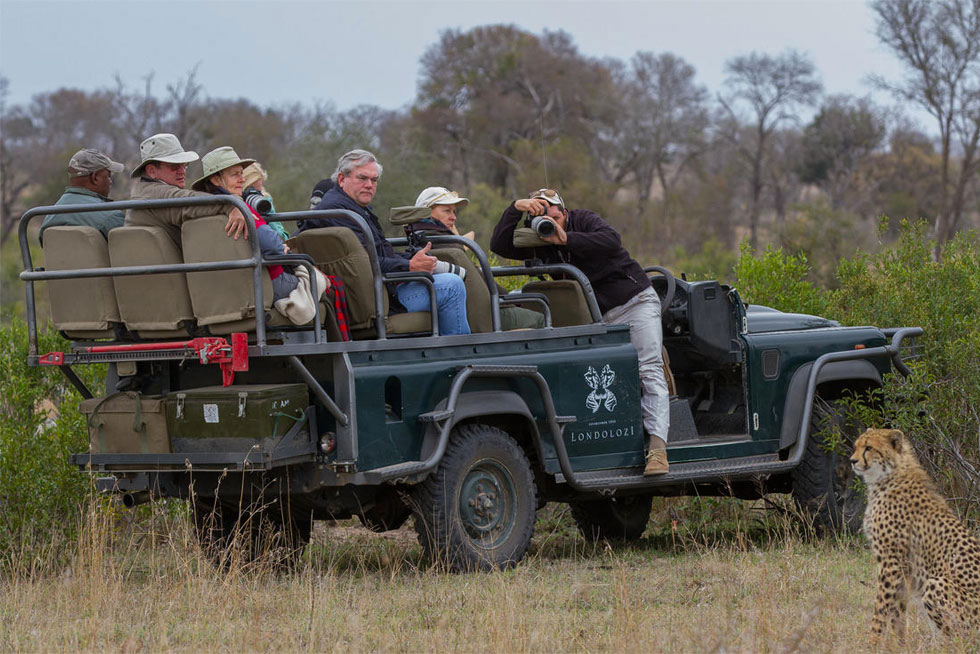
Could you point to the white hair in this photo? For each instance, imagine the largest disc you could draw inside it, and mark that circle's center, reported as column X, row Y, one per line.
column 355, row 159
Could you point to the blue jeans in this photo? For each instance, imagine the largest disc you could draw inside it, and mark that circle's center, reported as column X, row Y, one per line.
column 450, row 298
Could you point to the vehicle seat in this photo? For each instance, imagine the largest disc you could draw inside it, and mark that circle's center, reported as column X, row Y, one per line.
column 223, row 300
column 477, row 293
column 337, row 251
column 566, row 300
column 154, row 306
column 81, row 308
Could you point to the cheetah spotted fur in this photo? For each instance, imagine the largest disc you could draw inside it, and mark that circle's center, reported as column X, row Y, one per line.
column 921, row 548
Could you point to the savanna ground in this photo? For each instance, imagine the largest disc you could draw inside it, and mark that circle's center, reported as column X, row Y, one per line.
column 708, row 576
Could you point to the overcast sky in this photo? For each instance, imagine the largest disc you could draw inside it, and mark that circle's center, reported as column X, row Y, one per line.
column 368, row 52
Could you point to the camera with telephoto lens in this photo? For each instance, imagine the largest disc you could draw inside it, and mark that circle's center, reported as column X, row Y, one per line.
column 254, row 198
column 543, row 226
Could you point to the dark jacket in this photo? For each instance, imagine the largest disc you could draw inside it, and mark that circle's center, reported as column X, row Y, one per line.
column 593, row 246
column 335, row 198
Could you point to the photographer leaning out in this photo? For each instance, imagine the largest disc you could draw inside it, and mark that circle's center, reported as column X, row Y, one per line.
column 582, row 238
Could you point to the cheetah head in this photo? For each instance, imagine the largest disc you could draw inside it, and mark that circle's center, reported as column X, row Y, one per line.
column 877, row 453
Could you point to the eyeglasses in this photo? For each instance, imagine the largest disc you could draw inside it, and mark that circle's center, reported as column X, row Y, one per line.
column 173, row 167
column 364, row 179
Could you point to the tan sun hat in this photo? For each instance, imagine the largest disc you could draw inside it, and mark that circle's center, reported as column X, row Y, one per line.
column 434, row 195
column 216, row 161
column 165, row 148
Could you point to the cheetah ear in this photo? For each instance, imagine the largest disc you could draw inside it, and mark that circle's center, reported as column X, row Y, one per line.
column 897, row 440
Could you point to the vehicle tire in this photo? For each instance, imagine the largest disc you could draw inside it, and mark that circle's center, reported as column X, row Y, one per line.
column 613, row 518
column 824, row 483
column 228, row 534
column 476, row 511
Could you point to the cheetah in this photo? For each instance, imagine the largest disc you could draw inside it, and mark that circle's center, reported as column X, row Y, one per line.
column 919, row 544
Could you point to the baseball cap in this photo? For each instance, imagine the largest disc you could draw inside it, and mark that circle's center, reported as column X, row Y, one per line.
column 88, row 161
column 548, row 195
column 439, row 195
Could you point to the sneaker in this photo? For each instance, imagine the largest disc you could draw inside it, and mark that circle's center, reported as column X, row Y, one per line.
column 656, row 463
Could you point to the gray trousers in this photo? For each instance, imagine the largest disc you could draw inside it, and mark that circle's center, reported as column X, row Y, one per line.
column 642, row 314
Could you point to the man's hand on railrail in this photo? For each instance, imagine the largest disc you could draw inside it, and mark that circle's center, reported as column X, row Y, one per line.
column 236, row 226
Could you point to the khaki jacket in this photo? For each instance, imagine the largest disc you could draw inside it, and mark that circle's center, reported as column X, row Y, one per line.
column 172, row 217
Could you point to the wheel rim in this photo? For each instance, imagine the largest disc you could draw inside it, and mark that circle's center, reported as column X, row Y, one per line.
column 487, row 506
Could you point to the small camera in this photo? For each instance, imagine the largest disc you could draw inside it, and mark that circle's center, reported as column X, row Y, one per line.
column 254, row 198
column 543, row 226
column 416, row 240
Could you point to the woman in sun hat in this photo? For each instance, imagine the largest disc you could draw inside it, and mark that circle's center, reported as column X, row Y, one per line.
column 224, row 175
column 444, row 204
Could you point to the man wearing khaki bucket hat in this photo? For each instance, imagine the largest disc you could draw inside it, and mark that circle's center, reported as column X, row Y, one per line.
column 162, row 174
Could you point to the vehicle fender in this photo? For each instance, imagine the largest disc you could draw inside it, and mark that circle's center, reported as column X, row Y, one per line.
column 796, row 398
column 481, row 403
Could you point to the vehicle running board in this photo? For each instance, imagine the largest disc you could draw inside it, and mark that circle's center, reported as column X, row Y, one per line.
column 696, row 471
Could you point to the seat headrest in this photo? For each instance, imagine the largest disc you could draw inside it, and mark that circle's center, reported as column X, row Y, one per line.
column 408, row 215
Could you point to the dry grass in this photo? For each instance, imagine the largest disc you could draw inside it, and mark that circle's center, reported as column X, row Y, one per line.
column 751, row 585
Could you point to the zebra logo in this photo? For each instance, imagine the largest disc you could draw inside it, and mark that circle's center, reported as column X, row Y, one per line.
column 600, row 382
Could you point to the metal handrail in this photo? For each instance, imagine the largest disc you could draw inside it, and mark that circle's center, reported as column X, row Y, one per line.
column 29, row 275
column 556, row 269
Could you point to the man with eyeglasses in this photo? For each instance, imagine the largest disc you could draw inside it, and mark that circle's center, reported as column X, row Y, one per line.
column 357, row 175
column 162, row 174
column 89, row 180
column 623, row 291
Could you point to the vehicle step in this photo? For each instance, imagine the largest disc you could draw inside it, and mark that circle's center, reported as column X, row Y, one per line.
column 679, row 472
column 712, row 440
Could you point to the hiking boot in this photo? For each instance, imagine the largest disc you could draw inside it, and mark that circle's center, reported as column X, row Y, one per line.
column 656, row 463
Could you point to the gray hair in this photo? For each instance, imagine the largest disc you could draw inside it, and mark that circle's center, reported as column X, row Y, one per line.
column 354, row 159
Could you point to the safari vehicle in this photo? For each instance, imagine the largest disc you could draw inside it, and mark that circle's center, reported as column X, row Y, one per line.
column 266, row 427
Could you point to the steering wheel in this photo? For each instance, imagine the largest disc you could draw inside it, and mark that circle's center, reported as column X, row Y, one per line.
column 671, row 286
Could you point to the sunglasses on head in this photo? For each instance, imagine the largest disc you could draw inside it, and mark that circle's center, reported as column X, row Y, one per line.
column 547, row 192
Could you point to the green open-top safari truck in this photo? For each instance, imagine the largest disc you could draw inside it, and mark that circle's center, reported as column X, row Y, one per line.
column 266, row 426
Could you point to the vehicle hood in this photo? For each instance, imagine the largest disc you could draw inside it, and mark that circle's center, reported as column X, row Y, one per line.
column 766, row 319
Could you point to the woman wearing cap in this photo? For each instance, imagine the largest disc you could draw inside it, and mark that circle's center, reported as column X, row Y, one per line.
column 224, row 175
column 444, row 204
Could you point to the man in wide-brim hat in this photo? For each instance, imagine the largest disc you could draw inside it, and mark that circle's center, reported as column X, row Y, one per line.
column 162, row 174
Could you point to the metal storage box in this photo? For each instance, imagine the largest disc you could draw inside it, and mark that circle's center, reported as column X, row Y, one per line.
column 240, row 416
column 126, row 423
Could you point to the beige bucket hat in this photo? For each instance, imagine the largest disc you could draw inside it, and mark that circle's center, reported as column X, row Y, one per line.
column 216, row 161
column 165, row 148
column 439, row 195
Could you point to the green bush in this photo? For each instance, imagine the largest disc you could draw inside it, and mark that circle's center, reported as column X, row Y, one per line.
column 41, row 494
column 778, row 280
column 903, row 285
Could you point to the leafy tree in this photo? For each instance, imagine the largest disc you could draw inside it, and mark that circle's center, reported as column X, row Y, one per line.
column 761, row 92
column 667, row 119
column 838, row 143
column 484, row 90
column 938, row 41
